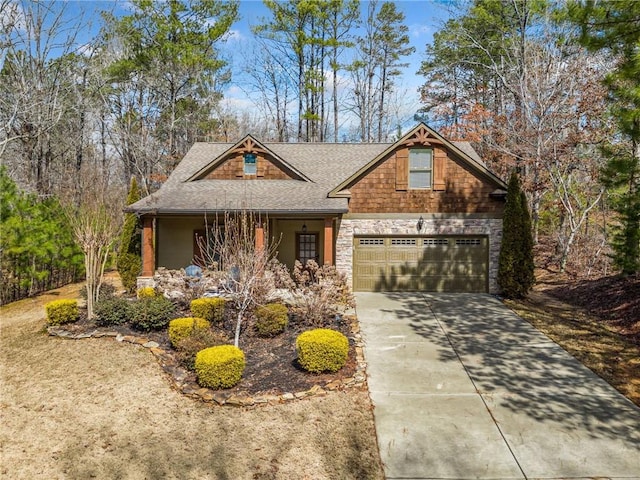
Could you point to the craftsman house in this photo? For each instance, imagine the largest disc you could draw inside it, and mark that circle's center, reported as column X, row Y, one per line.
column 422, row 213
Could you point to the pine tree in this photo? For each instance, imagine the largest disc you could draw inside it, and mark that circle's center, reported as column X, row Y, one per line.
column 130, row 251
column 515, row 267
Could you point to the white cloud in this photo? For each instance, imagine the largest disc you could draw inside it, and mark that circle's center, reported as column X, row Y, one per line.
column 418, row 30
column 235, row 35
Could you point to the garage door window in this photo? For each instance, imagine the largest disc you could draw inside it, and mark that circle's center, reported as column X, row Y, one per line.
column 420, row 168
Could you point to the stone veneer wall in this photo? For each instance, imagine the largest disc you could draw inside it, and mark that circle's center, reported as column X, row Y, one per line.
column 432, row 226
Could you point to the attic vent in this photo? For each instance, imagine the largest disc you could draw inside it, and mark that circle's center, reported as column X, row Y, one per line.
column 432, row 242
column 370, row 241
column 467, row 241
column 403, row 241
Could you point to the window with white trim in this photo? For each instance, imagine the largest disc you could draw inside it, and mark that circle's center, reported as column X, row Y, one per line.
column 420, row 168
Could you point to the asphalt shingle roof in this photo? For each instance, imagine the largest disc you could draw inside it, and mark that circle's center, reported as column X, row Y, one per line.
column 326, row 165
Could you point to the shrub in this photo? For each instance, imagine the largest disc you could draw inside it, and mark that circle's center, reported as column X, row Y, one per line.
column 129, row 267
column 271, row 319
column 199, row 339
column 107, row 291
column 152, row 313
column 322, row 350
column 180, row 328
column 146, row 292
column 113, row 311
column 62, row 311
column 211, row 309
column 321, row 292
column 219, row 367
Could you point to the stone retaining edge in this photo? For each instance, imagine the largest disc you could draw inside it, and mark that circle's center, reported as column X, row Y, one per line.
column 191, row 389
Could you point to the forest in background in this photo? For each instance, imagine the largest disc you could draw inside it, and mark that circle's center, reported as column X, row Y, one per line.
column 547, row 88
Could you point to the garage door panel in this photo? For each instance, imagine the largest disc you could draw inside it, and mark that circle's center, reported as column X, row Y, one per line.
column 444, row 264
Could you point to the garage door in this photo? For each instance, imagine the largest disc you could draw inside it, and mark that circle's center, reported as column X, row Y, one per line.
column 431, row 264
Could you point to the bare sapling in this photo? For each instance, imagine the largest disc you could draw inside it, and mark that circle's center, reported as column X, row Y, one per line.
column 240, row 247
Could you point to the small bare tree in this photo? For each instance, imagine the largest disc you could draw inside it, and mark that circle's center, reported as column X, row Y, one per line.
column 96, row 225
column 233, row 248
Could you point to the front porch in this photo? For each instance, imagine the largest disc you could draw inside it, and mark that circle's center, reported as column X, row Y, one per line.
column 170, row 241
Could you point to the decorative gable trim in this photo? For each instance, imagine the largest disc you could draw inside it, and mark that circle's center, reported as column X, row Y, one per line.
column 249, row 145
column 421, row 135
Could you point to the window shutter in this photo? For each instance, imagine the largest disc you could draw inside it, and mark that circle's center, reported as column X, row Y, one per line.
column 261, row 166
column 239, row 165
column 439, row 159
column 402, row 169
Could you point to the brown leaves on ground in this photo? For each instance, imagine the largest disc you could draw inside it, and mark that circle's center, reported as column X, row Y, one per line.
column 597, row 321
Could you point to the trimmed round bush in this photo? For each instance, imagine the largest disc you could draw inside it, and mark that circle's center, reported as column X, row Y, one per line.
column 62, row 311
column 181, row 328
column 219, row 367
column 271, row 319
column 322, row 350
column 211, row 309
column 113, row 311
column 152, row 313
column 146, row 292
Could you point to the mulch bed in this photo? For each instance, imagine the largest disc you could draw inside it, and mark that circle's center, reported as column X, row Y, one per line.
column 271, row 365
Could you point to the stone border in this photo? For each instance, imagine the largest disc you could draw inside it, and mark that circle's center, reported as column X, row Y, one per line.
column 178, row 375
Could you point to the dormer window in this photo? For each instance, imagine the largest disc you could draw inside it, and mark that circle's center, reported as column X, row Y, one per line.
column 420, row 168
column 250, row 165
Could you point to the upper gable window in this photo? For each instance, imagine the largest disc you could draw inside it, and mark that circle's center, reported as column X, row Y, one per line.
column 250, row 164
column 420, row 167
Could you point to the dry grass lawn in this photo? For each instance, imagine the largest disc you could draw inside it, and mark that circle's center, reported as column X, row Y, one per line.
column 97, row 408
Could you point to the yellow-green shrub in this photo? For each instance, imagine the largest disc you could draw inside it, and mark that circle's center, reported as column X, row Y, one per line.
column 146, row 292
column 219, row 367
column 61, row 311
column 271, row 319
column 322, row 350
column 181, row 328
column 211, row 309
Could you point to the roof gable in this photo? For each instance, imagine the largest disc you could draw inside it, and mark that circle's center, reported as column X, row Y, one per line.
column 280, row 168
column 420, row 135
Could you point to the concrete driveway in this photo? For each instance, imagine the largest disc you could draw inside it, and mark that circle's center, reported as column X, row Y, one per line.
column 465, row 389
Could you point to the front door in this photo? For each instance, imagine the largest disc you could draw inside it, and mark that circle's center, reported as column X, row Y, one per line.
column 307, row 247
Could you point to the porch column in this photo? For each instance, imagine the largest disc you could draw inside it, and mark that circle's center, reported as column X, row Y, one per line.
column 148, row 251
column 328, row 241
column 259, row 237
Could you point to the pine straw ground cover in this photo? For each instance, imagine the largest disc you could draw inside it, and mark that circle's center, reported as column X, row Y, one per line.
column 97, row 408
column 596, row 321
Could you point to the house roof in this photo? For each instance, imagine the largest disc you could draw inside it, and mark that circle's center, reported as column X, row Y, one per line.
column 318, row 168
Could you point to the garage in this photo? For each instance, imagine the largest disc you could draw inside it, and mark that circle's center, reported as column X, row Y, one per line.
column 430, row 264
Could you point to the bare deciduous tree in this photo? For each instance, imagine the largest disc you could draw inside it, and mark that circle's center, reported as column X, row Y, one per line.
column 233, row 247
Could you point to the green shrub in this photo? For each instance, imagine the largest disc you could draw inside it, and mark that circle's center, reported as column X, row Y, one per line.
column 219, row 367
column 107, row 291
column 180, row 328
column 211, row 309
column 129, row 267
column 146, row 292
column 152, row 313
column 199, row 339
column 322, row 350
column 113, row 311
column 271, row 319
column 62, row 311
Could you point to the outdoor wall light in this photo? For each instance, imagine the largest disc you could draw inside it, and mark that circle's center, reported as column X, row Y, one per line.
column 420, row 223
column 304, row 228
